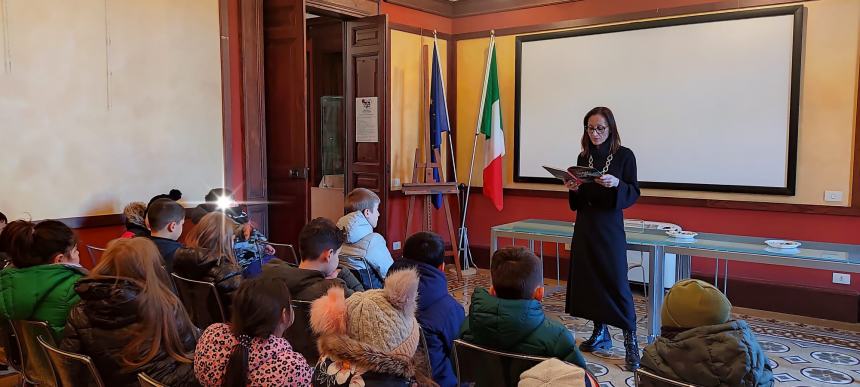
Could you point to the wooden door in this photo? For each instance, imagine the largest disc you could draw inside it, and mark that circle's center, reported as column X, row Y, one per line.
column 286, row 114
column 366, row 60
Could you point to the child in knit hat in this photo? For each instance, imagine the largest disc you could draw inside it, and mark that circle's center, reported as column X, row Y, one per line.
column 135, row 220
column 371, row 337
column 700, row 343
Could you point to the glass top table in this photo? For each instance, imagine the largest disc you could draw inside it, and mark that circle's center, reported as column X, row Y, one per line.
column 815, row 255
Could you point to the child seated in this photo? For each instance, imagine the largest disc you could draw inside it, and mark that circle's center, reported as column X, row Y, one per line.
column 319, row 245
column 209, row 256
column 39, row 285
column 134, row 214
column 439, row 314
column 700, row 343
column 164, row 220
column 365, row 252
column 510, row 317
column 370, row 338
column 250, row 350
column 129, row 320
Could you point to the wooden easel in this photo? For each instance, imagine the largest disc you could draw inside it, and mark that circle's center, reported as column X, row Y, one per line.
column 428, row 187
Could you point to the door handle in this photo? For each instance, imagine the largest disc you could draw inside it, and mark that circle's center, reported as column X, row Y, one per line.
column 299, row 173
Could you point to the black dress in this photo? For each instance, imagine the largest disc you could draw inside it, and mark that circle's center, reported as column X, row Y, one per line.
column 597, row 289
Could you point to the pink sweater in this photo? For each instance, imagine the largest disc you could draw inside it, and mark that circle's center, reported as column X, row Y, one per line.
column 271, row 362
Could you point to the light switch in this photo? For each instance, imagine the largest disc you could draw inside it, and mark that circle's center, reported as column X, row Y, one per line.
column 832, row 196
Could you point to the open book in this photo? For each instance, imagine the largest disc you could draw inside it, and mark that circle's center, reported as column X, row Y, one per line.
column 582, row 174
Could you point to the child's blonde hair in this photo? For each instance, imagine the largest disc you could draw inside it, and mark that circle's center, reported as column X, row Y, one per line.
column 360, row 199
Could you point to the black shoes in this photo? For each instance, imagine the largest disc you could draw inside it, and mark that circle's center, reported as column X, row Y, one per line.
column 599, row 339
column 631, row 350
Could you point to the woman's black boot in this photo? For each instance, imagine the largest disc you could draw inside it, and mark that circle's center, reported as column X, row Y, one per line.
column 631, row 350
column 599, row 339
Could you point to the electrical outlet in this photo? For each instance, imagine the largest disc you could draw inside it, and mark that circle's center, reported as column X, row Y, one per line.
column 842, row 278
column 396, row 246
column 832, row 196
column 567, row 246
column 396, row 182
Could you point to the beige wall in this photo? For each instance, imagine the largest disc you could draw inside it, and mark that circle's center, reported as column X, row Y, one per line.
column 407, row 114
column 102, row 103
column 827, row 107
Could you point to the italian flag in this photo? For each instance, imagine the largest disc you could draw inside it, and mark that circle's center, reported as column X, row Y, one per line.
column 490, row 125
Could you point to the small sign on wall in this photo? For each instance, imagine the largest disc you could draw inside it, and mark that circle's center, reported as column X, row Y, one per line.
column 367, row 119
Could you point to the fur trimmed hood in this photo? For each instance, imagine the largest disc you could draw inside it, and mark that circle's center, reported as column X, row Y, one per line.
column 344, row 348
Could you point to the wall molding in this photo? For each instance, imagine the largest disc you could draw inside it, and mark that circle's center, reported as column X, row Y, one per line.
column 472, row 7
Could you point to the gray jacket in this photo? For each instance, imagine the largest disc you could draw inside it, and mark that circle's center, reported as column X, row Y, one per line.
column 363, row 245
column 711, row 356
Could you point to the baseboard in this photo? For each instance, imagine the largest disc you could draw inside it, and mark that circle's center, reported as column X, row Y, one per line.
column 830, row 304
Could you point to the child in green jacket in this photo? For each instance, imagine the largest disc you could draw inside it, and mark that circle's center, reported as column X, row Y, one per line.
column 509, row 316
column 40, row 286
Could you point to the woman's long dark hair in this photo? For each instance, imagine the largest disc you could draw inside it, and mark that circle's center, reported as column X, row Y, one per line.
column 614, row 138
column 32, row 244
column 257, row 308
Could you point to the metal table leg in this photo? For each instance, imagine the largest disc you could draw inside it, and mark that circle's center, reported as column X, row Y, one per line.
column 656, row 265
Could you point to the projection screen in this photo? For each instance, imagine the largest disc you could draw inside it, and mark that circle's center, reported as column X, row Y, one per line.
column 706, row 102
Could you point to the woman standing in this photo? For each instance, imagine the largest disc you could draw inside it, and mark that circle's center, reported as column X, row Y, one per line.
column 598, row 289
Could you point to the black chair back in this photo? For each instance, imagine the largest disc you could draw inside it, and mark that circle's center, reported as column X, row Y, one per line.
column 645, row 378
column 36, row 368
column 147, row 381
column 71, row 369
column 286, row 252
column 95, row 254
column 300, row 335
column 488, row 368
column 201, row 301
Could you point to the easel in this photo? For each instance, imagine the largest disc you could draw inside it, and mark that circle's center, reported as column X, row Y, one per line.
column 423, row 182
column 429, row 187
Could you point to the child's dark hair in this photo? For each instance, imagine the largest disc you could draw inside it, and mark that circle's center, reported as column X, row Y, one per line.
column 32, row 244
column 516, row 273
column 3, row 218
column 360, row 199
column 215, row 193
column 317, row 236
column 257, row 308
column 425, row 247
column 164, row 211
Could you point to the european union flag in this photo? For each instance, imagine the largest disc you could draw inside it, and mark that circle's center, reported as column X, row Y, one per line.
column 438, row 116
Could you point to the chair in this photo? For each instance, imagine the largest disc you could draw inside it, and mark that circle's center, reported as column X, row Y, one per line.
column 147, row 381
column 290, row 255
column 423, row 355
column 301, row 337
column 486, row 367
column 201, row 301
column 10, row 345
column 70, row 368
column 645, row 378
column 95, row 254
column 36, row 367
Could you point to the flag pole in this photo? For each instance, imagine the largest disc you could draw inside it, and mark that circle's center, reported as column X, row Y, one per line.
column 464, row 239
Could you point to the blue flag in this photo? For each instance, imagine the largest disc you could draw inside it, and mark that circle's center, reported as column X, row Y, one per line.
column 438, row 116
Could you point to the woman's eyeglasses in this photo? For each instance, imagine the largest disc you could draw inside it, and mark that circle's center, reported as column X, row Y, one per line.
column 596, row 129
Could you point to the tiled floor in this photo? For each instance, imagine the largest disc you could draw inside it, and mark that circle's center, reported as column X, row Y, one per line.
column 801, row 354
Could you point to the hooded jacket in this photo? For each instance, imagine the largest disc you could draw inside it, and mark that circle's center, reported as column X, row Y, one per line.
column 196, row 264
column 106, row 320
column 439, row 315
column 712, row 355
column 40, row 293
column 517, row 326
column 363, row 243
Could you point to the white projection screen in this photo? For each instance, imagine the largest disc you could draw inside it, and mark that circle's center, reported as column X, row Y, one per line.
column 706, row 103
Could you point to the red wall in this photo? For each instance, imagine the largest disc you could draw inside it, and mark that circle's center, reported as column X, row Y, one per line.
column 408, row 16
column 825, row 228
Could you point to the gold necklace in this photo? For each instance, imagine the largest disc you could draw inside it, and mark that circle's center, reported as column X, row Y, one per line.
column 605, row 167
